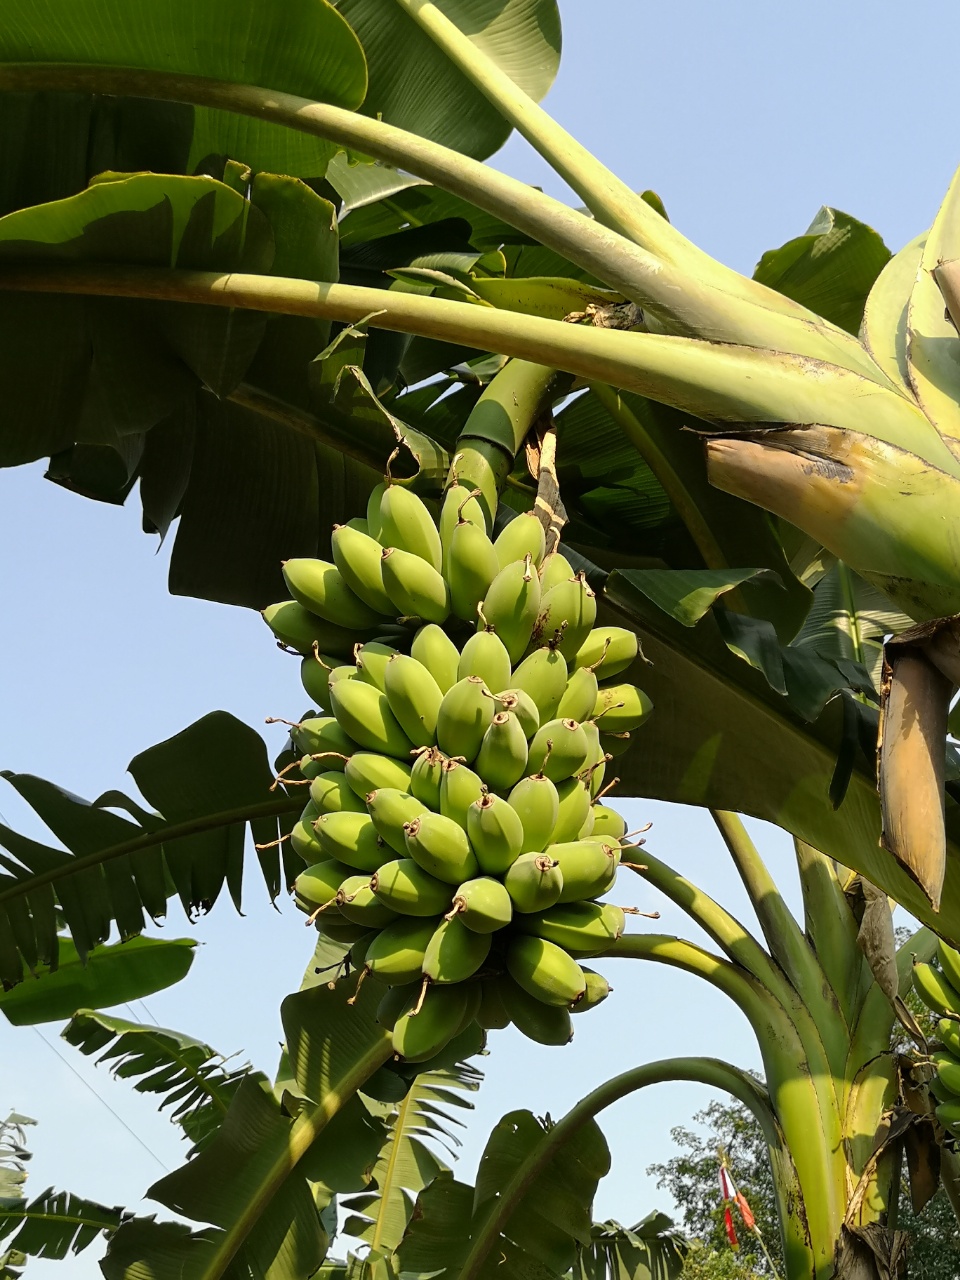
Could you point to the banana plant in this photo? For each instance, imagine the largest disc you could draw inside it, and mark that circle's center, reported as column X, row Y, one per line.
column 849, row 438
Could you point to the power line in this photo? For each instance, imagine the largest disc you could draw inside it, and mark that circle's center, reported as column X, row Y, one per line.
column 103, row 1102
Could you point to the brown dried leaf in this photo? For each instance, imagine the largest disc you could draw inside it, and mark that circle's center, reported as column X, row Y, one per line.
column 915, row 699
column 923, row 1163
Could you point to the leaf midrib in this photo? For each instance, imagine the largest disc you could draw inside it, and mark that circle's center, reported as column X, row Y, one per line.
column 223, row 818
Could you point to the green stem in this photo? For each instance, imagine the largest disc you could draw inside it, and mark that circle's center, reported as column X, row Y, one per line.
column 151, row 840
column 607, row 197
column 832, row 930
column 708, row 1071
column 710, row 380
column 950, row 1178
column 780, row 929
column 304, row 1132
column 497, row 426
column 672, row 483
column 802, row 1090
column 682, row 303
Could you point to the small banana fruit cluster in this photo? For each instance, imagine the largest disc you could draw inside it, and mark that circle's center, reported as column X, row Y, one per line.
column 455, row 833
column 939, row 989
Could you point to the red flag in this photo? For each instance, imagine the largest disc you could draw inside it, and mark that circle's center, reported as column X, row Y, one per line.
column 731, row 1229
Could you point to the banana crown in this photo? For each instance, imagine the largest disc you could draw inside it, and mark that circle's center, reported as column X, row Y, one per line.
column 455, row 838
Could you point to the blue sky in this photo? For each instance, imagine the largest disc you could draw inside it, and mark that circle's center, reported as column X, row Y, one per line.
column 745, row 118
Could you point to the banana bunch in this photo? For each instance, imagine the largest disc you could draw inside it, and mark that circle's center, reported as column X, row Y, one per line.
column 455, row 833
column 939, row 989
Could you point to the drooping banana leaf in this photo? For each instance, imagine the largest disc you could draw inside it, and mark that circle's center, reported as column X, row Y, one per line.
column 189, row 1078
column 253, row 1182
column 206, row 784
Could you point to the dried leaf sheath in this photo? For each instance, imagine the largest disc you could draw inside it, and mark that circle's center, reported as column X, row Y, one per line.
column 913, row 727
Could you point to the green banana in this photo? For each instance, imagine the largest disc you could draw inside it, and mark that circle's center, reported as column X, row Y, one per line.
column 511, row 606
column 574, row 811
column 323, row 736
column 544, row 1023
column 554, row 570
column 523, row 536
column 299, row 629
column 390, row 811
column 372, row 659
column 482, row 905
column 523, row 707
column 358, row 952
column 436, row 651
column 320, row 588
column 491, row 1014
column 949, row 963
column 607, row 651
column 559, row 749
column 608, row 823
column 595, row 765
column 545, row 971
column 948, row 1070
column 948, row 1031
column 351, row 838
column 534, row 882
column 470, row 566
column 542, row 675
column 358, row 902
column 319, row 885
column 537, row 803
column 414, row 697
column 310, row 768
column 331, row 792
column 460, row 787
column 567, row 611
column 396, row 1001
column 415, row 587
column 315, row 678
column 935, row 990
column 426, row 775
column 595, row 992
column 589, row 867
column 407, row 889
column 406, row 523
column 459, row 504
column 357, row 556
column 589, row 927
column 422, row 1032
column 441, row 847
column 496, row 833
column 364, row 713
column 502, row 758
column 485, row 655
column 580, row 696
column 395, row 956
column 948, row 1113
column 368, row 771
column 464, row 717
column 454, row 953
column 620, row 708
column 304, row 840
column 373, row 508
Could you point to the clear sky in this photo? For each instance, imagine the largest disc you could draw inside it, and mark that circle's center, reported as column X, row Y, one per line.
column 745, row 118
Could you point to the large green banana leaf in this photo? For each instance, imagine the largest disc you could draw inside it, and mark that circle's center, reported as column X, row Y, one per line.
column 253, row 1182
column 722, row 737
column 54, row 1225
column 107, row 976
column 414, row 85
column 189, row 1077
column 207, row 784
column 302, row 47
column 649, row 1250
column 545, row 1224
